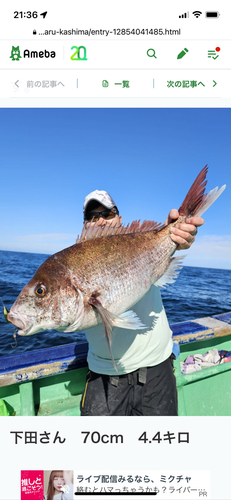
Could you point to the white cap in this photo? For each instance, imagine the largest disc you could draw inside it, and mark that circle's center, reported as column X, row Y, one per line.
column 102, row 197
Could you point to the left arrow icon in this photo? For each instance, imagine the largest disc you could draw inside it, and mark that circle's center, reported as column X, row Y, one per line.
column 16, row 83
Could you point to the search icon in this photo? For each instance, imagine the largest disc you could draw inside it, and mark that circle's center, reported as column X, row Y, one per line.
column 151, row 53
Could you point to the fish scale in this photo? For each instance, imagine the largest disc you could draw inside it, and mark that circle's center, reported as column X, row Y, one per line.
column 128, row 268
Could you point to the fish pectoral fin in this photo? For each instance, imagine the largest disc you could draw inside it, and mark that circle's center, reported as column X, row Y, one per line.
column 106, row 318
column 172, row 272
column 128, row 320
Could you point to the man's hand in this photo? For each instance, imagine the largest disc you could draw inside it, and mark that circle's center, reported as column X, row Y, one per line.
column 184, row 233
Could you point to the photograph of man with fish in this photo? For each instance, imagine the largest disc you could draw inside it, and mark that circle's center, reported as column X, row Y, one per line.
column 142, row 381
column 116, row 288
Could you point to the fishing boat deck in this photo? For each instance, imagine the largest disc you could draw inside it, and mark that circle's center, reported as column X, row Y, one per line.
column 44, row 382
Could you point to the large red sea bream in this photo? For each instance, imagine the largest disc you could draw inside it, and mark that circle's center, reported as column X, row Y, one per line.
column 105, row 273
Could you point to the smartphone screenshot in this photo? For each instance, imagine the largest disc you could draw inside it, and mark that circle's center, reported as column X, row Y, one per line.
column 115, row 250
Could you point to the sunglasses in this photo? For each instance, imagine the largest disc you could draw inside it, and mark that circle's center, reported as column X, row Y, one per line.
column 106, row 214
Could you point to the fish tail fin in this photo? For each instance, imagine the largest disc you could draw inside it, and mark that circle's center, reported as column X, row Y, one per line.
column 196, row 202
column 208, row 200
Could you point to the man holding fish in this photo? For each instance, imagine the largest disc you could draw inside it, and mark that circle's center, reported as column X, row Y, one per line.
column 111, row 276
column 143, row 382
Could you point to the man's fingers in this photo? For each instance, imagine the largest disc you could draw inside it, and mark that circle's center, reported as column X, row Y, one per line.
column 196, row 221
column 183, row 233
column 174, row 214
column 182, row 244
column 188, row 229
column 184, row 239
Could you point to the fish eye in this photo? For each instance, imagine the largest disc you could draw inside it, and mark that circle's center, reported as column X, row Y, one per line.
column 40, row 290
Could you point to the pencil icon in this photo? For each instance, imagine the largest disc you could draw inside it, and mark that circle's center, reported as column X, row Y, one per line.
column 182, row 54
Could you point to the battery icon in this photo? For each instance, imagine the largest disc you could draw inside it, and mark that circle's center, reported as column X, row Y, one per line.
column 212, row 14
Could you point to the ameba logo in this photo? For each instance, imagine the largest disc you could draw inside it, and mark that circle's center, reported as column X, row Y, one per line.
column 33, row 54
column 15, row 53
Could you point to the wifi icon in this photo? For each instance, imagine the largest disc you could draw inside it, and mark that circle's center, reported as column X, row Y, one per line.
column 197, row 13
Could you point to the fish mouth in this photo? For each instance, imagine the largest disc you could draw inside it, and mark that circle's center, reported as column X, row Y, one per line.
column 20, row 322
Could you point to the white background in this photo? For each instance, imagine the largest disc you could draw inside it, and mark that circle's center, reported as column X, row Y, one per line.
column 207, row 449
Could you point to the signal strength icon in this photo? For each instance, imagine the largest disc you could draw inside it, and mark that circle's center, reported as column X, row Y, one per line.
column 186, row 14
column 197, row 13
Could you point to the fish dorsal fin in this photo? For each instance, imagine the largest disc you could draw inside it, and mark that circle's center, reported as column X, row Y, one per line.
column 94, row 231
